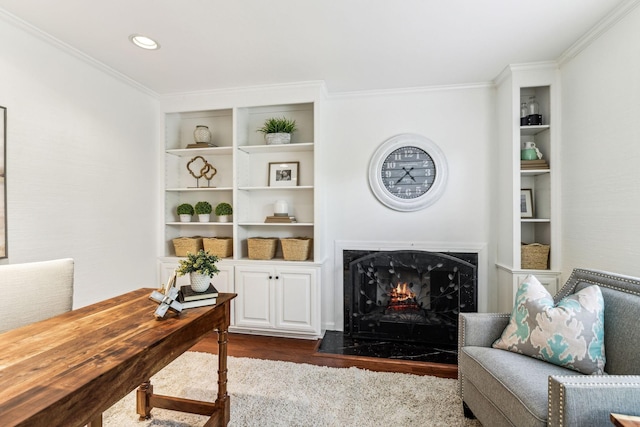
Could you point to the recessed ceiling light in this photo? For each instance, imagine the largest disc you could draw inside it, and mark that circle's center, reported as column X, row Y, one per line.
column 144, row 42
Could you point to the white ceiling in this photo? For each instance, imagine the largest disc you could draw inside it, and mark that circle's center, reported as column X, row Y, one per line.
column 352, row 45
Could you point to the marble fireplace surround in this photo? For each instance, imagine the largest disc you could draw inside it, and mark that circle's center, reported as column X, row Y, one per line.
column 335, row 341
column 440, row 247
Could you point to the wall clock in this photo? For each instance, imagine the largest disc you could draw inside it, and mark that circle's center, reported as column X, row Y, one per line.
column 408, row 172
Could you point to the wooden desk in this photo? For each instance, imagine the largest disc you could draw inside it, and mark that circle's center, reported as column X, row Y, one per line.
column 67, row 370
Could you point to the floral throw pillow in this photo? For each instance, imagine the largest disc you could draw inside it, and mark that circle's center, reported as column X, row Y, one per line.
column 569, row 334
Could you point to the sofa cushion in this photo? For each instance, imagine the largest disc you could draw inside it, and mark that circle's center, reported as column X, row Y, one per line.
column 516, row 384
column 569, row 333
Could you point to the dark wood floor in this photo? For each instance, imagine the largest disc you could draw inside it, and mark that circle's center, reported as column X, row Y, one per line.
column 304, row 351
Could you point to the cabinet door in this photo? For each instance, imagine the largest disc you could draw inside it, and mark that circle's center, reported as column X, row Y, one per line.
column 254, row 303
column 297, row 299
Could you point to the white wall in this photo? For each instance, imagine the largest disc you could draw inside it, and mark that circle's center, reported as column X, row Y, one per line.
column 601, row 153
column 81, row 171
column 460, row 121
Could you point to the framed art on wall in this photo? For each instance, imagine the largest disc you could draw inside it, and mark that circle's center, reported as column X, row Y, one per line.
column 526, row 203
column 283, row 174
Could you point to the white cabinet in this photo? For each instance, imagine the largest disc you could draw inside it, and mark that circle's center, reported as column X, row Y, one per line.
column 278, row 298
column 540, row 222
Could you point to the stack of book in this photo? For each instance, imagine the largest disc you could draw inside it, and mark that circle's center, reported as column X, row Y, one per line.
column 533, row 164
column 190, row 299
column 276, row 219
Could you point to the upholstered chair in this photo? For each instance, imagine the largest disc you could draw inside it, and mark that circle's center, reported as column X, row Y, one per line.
column 34, row 291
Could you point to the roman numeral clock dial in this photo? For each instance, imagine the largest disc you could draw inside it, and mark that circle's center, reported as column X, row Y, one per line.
column 408, row 172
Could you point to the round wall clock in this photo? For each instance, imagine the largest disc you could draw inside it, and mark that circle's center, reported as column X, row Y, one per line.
column 408, row 172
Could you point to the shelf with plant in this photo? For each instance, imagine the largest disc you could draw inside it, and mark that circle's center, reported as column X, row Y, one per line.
column 210, row 151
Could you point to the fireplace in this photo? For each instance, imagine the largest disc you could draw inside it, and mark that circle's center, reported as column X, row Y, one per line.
column 408, row 295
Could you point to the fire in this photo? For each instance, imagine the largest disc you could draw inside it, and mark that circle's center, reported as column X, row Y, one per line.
column 402, row 299
column 401, row 293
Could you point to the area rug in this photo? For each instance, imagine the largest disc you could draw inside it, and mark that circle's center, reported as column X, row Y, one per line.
column 270, row 393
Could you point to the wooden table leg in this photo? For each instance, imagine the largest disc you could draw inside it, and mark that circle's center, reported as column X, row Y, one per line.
column 96, row 422
column 222, row 415
column 143, row 400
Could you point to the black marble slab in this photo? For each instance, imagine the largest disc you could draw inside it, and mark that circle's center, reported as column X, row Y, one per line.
column 336, row 342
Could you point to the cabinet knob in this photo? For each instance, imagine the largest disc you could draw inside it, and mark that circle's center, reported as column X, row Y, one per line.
column 270, row 277
column 277, row 277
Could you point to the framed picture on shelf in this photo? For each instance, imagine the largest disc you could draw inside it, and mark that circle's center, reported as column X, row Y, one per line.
column 283, row 174
column 526, row 203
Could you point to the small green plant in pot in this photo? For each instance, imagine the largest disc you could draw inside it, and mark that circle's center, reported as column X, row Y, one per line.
column 203, row 209
column 278, row 130
column 185, row 212
column 201, row 267
column 224, row 211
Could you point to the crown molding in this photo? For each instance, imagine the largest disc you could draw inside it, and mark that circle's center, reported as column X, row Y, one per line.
column 64, row 47
column 409, row 90
column 598, row 30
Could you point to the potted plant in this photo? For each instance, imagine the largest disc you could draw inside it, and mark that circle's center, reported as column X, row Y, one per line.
column 201, row 267
column 185, row 211
column 278, row 130
column 203, row 209
column 224, row 211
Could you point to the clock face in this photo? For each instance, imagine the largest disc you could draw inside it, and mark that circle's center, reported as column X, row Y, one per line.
column 408, row 172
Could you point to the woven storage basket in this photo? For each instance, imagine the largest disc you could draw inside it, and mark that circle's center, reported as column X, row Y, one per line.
column 182, row 245
column 221, row 247
column 296, row 248
column 534, row 256
column 262, row 247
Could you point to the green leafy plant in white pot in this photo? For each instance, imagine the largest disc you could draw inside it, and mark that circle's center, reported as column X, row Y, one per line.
column 185, row 212
column 201, row 267
column 203, row 209
column 224, row 212
column 278, row 130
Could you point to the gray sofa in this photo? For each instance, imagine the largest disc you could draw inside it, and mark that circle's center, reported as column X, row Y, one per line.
column 501, row 388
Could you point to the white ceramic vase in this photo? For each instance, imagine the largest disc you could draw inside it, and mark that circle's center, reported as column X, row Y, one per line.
column 224, row 218
column 185, row 218
column 199, row 282
column 204, row 217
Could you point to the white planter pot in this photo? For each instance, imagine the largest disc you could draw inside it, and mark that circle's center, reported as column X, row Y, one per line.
column 199, row 282
column 278, row 138
column 185, row 218
column 224, row 218
column 204, row 217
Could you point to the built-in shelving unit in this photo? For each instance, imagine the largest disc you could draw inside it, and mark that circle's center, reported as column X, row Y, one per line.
column 543, row 227
column 277, row 296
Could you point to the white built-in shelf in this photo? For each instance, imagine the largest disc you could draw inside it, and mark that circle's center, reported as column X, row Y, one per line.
column 532, row 172
column 280, row 148
column 200, row 189
column 199, row 224
column 533, row 130
column 299, row 187
column 277, row 224
column 535, row 220
column 211, row 151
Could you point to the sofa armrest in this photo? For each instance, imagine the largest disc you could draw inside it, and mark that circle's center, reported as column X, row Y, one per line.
column 480, row 329
column 587, row 400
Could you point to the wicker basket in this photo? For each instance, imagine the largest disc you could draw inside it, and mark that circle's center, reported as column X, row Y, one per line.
column 296, row 248
column 221, row 247
column 262, row 247
column 534, row 256
column 182, row 245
